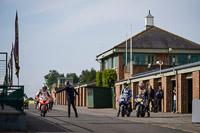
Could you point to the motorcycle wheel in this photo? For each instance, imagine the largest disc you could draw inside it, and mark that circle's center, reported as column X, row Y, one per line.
column 142, row 112
column 44, row 111
column 138, row 111
column 123, row 111
column 128, row 114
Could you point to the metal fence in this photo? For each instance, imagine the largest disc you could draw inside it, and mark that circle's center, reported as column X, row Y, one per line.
column 12, row 96
column 3, row 68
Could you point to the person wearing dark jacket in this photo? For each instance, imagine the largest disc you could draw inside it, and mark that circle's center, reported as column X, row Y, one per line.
column 70, row 97
column 151, row 97
column 158, row 97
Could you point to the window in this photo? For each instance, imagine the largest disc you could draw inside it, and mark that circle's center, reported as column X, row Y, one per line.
column 62, row 81
column 171, row 59
column 115, row 62
column 150, row 59
column 111, row 63
column 139, row 59
column 193, row 58
column 182, row 59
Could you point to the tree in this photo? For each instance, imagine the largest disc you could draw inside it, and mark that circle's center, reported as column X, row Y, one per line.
column 74, row 76
column 87, row 76
column 51, row 77
column 30, row 98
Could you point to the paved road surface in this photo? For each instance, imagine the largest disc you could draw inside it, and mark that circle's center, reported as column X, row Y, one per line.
column 105, row 120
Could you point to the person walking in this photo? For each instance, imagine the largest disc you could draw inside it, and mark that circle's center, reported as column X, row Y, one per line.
column 70, row 97
column 158, row 97
column 174, row 100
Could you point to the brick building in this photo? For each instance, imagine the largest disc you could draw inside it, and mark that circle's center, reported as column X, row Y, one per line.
column 151, row 45
column 139, row 61
column 185, row 79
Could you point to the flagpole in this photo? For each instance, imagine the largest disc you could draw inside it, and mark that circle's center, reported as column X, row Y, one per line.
column 126, row 49
column 131, row 52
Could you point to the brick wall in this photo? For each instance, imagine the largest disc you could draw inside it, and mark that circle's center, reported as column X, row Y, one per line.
column 182, row 97
column 196, row 85
column 167, row 86
column 134, row 92
column 162, row 57
column 120, row 71
column 154, row 84
column 117, row 91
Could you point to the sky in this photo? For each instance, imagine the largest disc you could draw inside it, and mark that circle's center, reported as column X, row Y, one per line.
column 67, row 35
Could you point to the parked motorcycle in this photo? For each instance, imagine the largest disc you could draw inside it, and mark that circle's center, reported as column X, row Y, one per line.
column 43, row 105
column 140, row 105
column 124, row 107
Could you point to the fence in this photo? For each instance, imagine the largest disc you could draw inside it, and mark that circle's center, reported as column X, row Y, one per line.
column 3, row 68
column 12, row 96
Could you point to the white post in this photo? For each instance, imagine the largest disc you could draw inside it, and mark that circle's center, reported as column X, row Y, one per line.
column 126, row 50
column 131, row 52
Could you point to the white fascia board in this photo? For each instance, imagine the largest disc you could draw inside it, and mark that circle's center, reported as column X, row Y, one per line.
column 121, row 50
column 185, row 51
column 110, row 52
column 174, row 51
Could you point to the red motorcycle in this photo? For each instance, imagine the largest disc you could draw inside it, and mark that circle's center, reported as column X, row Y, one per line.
column 43, row 105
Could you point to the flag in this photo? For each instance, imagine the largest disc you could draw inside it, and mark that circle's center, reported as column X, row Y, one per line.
column 11, row 66
column 16, row 48
column 9, row 76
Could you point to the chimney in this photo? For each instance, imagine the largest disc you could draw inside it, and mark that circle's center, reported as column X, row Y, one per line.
column 149, row 20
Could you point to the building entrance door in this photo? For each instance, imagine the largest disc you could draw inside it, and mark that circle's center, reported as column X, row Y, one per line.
column 189, row 95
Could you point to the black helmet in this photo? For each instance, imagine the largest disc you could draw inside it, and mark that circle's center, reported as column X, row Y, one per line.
column 44, row 87
column 126, row 83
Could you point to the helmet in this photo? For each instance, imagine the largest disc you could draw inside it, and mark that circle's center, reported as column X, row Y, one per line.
column 44, row 88
column 126, row 84
column 141, row 85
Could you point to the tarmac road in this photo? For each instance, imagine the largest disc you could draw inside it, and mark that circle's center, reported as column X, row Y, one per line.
column 100, row 120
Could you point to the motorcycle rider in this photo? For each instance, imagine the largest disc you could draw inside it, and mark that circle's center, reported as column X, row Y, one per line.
column 144, row 92
column 126, row 91
column 42, row 91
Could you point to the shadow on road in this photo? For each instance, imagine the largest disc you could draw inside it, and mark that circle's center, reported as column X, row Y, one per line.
column 37, row 124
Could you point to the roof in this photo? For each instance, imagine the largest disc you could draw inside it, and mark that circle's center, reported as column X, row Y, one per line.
column 149, row 15
column 156, row 38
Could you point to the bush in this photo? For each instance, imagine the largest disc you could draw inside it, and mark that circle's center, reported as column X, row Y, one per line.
column 109, row 77
column 99, row 79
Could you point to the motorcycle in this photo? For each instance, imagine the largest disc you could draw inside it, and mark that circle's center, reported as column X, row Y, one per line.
column 124, row 106
column 43, row 105
column 25, row 103
column 140, row 105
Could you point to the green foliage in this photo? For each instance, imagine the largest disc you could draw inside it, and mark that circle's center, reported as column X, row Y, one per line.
column 74, row 76
column 99, row 79
column 51, row 77
column 30, row 98
column 109, row 77
column 87, row 76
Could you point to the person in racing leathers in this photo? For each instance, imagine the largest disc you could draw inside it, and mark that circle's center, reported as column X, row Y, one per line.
column 144, row 92
column 126, row 91
column 42, row 91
